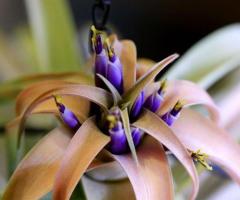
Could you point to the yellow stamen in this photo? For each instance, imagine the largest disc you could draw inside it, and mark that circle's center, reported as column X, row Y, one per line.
column 179, row 105
column 110, row 50
column 58, row 99
column 112, row 121
column 95, row 33
column 201, row 158
column 163, row 85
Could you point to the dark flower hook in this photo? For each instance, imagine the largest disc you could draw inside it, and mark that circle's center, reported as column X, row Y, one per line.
column 100, row 13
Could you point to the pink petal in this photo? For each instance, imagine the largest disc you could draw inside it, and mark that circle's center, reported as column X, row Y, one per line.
column 191, row 94
column 34, row 176
column 197, row 132
column 83, row 148
column 152, row 178
column 154, row 126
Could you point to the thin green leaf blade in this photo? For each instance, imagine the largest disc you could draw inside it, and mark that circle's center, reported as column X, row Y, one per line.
column 126, row 125
column 116, row 96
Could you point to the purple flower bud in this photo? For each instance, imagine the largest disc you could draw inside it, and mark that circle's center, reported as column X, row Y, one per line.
column 176, row 109
column 171, row 116
column 101, row 63
column 153, row 102
column 101, row 60
column 168, row 118
column 67, row 115
column 137, row 106
column 136, row 135
column 118, row 143
column 114, row 74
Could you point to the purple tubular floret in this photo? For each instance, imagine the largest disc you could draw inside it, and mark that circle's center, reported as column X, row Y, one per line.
column 68, row 117
column 153, row 102
column 119, row 144
column 137, row 106
column 169, row 119
column 114, row 74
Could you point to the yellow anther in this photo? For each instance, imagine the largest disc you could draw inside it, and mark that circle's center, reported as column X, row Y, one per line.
column 201, row 158
column 96, row 32
column 163, row 85
column 112, row 121
column 179, row 105
column 110, row 50
column 57, row 99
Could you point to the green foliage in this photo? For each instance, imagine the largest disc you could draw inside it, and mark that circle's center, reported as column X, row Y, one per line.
column 54, row 35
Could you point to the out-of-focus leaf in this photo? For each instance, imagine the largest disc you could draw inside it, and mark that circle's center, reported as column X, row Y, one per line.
column 3, row 166
column 10, row 65
column 226, row 94
column 152, row 178
column 10, row 89
column 35, row 174
column 107, row 171
column 24, row 47
column 222, row 70
column 208, row 60
column 108, row 190
column 132, row 94
column 54, row 34
column 87, row 142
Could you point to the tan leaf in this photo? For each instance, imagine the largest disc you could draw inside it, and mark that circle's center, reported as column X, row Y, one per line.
column 83, row 148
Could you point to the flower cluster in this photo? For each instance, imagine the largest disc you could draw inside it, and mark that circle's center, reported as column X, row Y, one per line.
column 127, row 119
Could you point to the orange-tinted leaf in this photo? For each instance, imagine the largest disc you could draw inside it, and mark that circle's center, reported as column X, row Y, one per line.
column 27, row 96
column 152, row 178
column 35, row 175
column 83, row 148
column 94, row 94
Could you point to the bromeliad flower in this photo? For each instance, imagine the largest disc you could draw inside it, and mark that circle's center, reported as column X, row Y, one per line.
column 125, row 118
